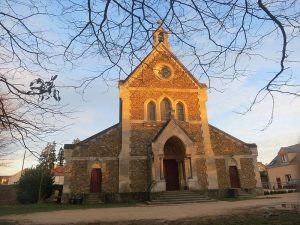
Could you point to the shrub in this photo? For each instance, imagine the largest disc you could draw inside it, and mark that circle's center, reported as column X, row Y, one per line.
column 29, row 185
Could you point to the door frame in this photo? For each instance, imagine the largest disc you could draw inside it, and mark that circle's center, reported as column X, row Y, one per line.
column 234, row 180
column 96, row 173
column 176, row 176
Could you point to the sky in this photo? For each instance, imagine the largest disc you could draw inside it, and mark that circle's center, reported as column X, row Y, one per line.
column 98, row 108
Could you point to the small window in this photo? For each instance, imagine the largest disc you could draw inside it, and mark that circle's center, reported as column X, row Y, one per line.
column 165, row 108
column 180, row 111
column 151, row 111
column 284, row 158
column 288, row 177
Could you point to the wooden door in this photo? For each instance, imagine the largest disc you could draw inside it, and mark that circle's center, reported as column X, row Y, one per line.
column 171, row 174
column 279, row 185
column 234, row 177
column 96, row 181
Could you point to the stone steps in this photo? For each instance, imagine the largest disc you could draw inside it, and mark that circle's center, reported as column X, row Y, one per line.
column 178, row 197
column 93, row 198
column 244, row 194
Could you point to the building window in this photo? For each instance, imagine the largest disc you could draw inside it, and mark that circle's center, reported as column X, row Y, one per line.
column 165, row 108
column 151, row 111
column 180, row 111
column 284, row 158
column 288, row 177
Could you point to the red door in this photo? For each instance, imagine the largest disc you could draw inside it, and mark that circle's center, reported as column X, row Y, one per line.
column 171, row 174
column 234, row 177
column 279, row 185
column 96, row 180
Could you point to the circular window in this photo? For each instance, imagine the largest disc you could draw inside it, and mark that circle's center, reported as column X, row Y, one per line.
column 165, row 72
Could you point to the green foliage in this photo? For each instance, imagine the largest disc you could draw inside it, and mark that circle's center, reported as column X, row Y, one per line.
column 48, row 157
column 30, row 183
column 60, row 157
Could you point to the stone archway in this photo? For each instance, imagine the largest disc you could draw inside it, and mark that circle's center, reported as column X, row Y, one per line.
column 173, row 164
column 186, row 153
column 234, row 174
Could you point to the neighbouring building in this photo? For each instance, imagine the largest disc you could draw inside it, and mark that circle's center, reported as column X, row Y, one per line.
column 58, row 173
column 262, row 168
column 4, row 180
column 14, row 179
column 11, row 180
column 163, row 141
column 284, row 168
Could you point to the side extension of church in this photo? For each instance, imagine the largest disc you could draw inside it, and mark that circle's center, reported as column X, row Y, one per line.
column 163, row 141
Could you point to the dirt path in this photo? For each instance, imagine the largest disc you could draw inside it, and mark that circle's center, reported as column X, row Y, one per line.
column 167, row 212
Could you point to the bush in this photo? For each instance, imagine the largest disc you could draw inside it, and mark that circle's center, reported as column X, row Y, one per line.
column 29, row 184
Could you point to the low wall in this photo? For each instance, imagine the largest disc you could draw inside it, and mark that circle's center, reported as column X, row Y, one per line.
column 8, row 194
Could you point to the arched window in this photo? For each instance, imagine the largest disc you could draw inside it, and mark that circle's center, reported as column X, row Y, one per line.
column 165, row 108
column 180, row 111
column 151, row 111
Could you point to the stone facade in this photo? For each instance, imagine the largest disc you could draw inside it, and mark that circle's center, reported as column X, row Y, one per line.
column 141, row 153
column 223, row 176
column 247, row 174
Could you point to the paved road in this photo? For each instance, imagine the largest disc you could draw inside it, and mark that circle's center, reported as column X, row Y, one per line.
column 166, row 212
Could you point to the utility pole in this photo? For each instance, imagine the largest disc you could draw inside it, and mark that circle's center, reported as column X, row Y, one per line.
column 23, row 162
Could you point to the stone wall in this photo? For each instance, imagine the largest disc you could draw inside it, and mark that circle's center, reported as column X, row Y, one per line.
column 195, row 131
column 147, row 78
column 138, row 98
column 224, row 144
column 201, row 173
column 101, row 149
column 105, row 144
column 138, row 175
column 142, row 136
column 110, row 176
column 247, row 175
column 223, row 174
column 77, row 176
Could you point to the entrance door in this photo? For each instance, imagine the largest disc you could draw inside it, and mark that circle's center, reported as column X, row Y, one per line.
column 279, row 185
column 171, row 174
column 234, row 177
column 96, row 180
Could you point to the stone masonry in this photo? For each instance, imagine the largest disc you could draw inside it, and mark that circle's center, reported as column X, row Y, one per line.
column 132, row 154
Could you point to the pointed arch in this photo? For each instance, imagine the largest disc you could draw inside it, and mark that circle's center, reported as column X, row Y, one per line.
column 151, row 111
column 165, row 109
column 180, row 111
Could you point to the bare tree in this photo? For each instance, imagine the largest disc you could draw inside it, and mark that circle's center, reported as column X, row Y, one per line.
column 29, row 97
column 217, row 38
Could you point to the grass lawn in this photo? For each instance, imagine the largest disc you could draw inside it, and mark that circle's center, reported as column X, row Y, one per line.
column 48, row 207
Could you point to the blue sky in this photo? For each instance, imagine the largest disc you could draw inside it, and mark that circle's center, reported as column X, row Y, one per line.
column 98, row 108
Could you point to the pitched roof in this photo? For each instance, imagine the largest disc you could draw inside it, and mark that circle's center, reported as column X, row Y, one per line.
column 58, row 171
column 232, row 137
column 164, row 127
column 174, row 57
column 71, row 146
column 289, row 149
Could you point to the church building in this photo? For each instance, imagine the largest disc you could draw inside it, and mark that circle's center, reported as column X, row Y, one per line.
column 163, row 141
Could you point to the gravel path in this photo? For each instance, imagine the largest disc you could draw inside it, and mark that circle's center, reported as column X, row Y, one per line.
column 166, row 212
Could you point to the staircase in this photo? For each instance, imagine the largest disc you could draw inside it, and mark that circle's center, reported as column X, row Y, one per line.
column 244, row 194
column 178, row 197
column 93, row 198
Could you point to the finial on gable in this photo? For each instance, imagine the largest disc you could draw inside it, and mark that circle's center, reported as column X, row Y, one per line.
column 160, row 36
